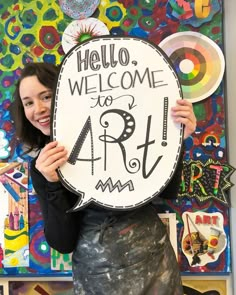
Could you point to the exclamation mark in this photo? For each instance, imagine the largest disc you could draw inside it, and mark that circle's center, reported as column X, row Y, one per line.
column 165, row 115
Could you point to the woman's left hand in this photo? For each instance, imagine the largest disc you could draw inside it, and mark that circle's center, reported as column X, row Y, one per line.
column 183, row 113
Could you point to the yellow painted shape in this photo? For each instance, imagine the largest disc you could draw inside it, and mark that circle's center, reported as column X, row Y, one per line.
column 202, row 8
column 17, row 243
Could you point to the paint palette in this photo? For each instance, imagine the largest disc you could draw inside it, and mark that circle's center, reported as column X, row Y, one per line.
column 198, row 61
column 5, row 166
column 11, row 172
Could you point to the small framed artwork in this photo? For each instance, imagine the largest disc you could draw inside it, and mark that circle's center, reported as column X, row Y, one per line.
column 169, row 219
column 205, row 286
column 3, row 286
column 41, row 287
column 61, row 262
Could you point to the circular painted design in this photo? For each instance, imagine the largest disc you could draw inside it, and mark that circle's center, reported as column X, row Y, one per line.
column 198, row 61
column 49, row 37
column 81, row 30
column 79, row 9
column 114, row 13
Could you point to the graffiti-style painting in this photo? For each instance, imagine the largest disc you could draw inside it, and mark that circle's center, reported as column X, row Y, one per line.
column 205, row 181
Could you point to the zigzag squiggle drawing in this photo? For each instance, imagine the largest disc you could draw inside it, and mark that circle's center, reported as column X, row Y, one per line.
column 109, row 184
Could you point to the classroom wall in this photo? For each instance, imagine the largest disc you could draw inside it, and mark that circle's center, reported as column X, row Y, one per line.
column 230, row 45
column 230, row 40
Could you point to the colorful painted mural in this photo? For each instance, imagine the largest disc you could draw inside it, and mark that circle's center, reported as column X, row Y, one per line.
column 33, row 31
column 14, row 233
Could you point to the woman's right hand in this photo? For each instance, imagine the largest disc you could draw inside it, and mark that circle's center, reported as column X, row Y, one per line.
column 50, row 158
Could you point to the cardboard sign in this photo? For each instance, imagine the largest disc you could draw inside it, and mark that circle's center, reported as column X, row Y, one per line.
column 112, row 112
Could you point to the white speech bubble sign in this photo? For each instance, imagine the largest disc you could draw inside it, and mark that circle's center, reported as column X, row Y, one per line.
column 112, row 112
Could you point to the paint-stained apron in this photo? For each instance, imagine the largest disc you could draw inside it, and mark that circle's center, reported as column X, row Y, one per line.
column 125, row 254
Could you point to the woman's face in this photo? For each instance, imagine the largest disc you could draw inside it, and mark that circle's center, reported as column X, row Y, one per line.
column 36, row 99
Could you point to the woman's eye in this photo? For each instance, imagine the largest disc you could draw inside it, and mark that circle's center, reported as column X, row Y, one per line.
column 28, row 104
column 47, row 97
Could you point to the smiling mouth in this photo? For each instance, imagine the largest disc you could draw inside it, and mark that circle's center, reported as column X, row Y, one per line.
column 44, row 120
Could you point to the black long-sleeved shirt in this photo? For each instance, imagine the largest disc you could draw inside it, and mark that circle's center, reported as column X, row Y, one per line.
column 61, row 228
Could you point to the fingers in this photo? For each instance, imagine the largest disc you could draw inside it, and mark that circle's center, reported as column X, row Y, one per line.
column 51, row 157
column 183, row 113
column 52, row 152
column 190, row 126
column 183, row 107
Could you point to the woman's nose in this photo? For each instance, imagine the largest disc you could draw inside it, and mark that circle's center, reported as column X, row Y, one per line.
column 40, row 106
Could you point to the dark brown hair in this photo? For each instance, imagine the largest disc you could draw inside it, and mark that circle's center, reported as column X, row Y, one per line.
column 47, row 74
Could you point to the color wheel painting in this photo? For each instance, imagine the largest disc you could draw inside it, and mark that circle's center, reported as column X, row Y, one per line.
column 33, row 31
column 198, row 61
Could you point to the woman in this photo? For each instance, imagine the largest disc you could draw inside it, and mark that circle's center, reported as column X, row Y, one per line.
column 114, row 252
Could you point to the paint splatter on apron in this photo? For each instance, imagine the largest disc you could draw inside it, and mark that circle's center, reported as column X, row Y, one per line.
column 125, row 254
